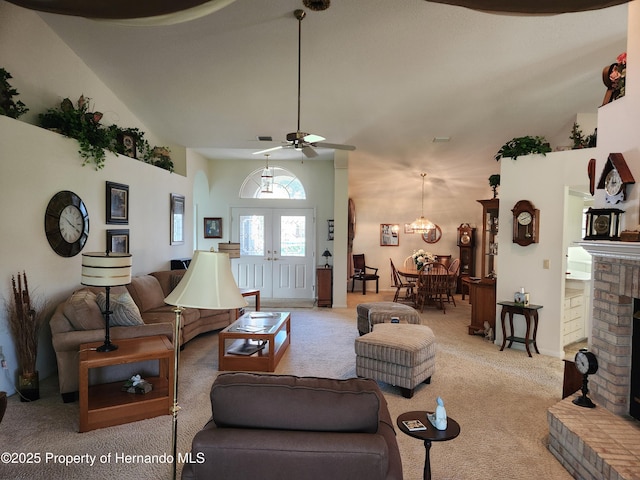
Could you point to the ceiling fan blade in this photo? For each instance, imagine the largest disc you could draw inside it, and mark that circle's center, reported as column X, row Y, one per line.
column 312, row 138
column 335, row 146
column 268, row 150
column 309, row 152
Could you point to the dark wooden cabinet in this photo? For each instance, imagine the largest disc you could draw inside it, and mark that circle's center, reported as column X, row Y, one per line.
column 324, row 286
column 482, row 295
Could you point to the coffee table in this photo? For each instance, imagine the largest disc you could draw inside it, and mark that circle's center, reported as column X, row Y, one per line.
column 431, row 434
column 255, row 342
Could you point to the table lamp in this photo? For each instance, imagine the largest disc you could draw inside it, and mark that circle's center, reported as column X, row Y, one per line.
column 326, row 254
column 106, row 269
column 207, row 283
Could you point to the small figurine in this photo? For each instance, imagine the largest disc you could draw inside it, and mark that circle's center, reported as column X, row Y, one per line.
column 439, row 418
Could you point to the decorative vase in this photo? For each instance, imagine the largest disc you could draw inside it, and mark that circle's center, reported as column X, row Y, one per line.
column 29, row 386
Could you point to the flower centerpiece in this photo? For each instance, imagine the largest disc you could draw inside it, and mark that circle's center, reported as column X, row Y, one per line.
column 614, row 77
column 420, row 257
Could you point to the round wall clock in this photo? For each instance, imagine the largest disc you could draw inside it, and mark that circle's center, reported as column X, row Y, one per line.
column 66, row 223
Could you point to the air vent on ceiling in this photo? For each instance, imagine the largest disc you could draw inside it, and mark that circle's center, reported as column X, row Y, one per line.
column 265, row 138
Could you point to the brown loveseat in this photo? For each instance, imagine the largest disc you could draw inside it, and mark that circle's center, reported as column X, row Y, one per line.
column 285, row 427
column 139, row 311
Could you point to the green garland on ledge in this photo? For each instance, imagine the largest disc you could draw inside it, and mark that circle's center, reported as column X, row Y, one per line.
column 523, row 146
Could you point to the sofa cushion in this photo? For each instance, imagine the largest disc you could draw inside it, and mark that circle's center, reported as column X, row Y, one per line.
column 146, row 292
column 83, row 312
column 248, row 400
column 125, row 311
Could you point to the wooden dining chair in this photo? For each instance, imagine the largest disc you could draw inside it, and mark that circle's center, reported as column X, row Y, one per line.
column 431, row 286
column 399, row 282
column 454, row 272
column 362, row 272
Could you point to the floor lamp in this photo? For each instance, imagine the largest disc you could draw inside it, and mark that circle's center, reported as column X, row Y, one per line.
column 106, row 269
column 208, row 283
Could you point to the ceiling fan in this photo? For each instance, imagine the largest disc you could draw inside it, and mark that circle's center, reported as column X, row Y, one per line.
column 301, row 140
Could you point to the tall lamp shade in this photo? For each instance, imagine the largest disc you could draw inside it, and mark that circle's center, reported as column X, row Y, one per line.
column 106, row 269
column 208, row 283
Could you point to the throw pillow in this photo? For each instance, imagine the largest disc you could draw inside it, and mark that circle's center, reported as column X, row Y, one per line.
column 125, row 311
column 174, row 280
column 83, row 312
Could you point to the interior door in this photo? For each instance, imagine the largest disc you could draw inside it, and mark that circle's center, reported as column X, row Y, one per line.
column 277, row 253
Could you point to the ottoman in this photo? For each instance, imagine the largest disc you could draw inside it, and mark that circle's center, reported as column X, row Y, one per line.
column 399, row 354
column 380, row 312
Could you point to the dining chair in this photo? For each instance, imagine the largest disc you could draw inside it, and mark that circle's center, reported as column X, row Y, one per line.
column 454, row 272
column 362, row 272
column 409, row 262
column 400, row 283
column 431, row 286
column 444, row 260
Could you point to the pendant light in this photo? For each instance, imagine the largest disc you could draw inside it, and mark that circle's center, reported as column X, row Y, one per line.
column 422, row 224
column 267, row 178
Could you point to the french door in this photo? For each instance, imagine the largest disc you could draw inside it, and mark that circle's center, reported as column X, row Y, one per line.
column 277, row 253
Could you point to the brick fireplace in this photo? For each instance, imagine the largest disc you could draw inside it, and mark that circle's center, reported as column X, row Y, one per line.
column 604, row 442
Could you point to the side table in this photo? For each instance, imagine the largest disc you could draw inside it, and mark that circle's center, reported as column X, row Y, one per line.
column 431, row 434
column 530, row 312
column 249, row 292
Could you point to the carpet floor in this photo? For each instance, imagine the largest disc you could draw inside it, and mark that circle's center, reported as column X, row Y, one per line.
column 500, row 400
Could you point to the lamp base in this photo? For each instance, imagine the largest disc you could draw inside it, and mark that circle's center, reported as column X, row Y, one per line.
column 107, row 347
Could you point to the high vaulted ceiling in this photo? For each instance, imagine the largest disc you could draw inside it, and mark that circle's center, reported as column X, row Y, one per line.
column 385, row 76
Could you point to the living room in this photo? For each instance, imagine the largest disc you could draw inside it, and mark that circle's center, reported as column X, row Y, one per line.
column 31, row 52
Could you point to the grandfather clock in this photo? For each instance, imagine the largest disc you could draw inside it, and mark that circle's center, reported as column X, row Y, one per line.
column 467, row 245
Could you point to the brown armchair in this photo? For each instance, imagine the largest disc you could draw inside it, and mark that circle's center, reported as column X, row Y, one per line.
column 363, row 273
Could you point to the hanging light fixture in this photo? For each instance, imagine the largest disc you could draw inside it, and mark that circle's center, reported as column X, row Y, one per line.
column 267, row 178
column 422, row 224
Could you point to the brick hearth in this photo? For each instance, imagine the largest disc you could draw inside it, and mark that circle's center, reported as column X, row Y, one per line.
column 604, row 442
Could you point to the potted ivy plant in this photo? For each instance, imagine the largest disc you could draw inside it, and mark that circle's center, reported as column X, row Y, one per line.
column 523, row 146
column 8, row 106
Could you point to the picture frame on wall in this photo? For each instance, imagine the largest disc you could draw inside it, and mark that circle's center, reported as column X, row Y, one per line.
column 213, row 227
column 176, row 219
column 117, row 203
column 408, row 229
column 389, row 234
column 118, row 241
column 329, row 229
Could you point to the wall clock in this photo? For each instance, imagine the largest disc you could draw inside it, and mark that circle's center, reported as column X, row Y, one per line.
column 66, row 223
column 526, row 223
column 614, row 179
column 603, row 224
column 587, row 364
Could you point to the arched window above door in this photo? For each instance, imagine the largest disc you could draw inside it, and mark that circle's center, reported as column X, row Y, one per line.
column 285, row 185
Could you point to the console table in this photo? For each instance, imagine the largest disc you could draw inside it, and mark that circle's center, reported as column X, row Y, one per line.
column 530, row 312
column 106, row 405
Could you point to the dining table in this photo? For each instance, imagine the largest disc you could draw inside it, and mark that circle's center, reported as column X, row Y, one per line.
column 412, row 273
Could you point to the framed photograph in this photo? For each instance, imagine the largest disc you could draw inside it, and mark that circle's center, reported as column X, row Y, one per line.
column 329, row 229
column 128, row 144
column 389, row 234
column 117, row 203
column 408, row 229
column 177, row 219
column 213, row 227
column 118, row 241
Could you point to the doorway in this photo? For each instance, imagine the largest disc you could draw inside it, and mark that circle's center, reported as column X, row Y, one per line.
column 277, row 250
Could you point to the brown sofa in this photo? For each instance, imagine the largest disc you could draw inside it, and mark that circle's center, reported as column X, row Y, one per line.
column 79, row 320
column 286, row 427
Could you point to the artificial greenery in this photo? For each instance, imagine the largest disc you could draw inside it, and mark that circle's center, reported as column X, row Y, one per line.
column 581, row 141
column 8, row 106
column 494, row 183
column 95, row 139
column 523, row 146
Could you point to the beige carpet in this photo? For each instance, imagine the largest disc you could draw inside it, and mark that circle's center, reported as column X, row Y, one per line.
column 499, row 398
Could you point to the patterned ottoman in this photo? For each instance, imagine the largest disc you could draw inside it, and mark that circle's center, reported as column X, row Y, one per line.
column 381, row 312
column 399, row 354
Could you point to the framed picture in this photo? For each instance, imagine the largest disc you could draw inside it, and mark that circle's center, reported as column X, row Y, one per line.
column 329, row 229
column 118, row 241
column 128, row 144
column 213, row 227
column 117, row 203
column 177, row 219
column 408, row 229
column 389, row 234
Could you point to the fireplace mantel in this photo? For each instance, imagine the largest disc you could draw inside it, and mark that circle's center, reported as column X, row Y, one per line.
column 610, row 249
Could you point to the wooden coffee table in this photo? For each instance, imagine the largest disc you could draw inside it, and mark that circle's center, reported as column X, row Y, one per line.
column 255, row 342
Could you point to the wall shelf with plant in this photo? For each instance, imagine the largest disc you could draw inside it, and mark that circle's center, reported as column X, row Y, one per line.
column 520, row 146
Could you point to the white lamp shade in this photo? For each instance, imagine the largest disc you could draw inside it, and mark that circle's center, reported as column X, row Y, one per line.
column 100, row 269
column 208, row 283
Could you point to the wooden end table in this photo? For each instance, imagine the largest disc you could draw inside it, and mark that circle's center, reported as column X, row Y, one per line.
column 106, row 404
column 255, row 342
column 249, row 292
column 431, row 434
column 530, row 312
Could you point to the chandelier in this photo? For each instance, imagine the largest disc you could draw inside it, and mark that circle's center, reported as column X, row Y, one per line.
column 266, row 179
column 422, row 224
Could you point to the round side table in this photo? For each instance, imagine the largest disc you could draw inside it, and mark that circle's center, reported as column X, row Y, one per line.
column 431, row 434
